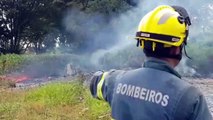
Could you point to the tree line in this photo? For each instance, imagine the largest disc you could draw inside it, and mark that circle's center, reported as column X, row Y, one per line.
column 37, row 24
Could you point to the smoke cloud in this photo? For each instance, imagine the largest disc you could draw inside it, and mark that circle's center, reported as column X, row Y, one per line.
column 118, row 33
column 109, row 43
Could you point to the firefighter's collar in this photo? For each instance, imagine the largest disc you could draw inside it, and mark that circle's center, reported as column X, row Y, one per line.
column 160, row 65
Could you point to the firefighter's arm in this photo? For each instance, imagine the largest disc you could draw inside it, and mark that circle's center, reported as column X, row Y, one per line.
column 97, row 85
column 102, row 84
column 192, row 106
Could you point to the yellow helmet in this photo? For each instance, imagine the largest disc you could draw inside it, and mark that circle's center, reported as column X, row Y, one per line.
column 167, row 25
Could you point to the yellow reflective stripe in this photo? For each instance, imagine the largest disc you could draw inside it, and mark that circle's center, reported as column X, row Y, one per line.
column 99, row 87
column 153, row 46
column 164, row 42
column 142, row 44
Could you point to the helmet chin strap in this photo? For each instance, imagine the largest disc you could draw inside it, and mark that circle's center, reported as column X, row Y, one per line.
column 184, row 47
column 179, row 56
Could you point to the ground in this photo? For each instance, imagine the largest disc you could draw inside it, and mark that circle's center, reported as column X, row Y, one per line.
column 206, row 87
column 65, row 101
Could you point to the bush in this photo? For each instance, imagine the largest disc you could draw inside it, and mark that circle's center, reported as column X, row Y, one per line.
column 128, row 57
column 133, row 57
column 10, row 62
column 202, row 58
column 36, row 65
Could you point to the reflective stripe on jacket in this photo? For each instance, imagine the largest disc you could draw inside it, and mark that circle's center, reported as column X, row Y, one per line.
column 153, row 92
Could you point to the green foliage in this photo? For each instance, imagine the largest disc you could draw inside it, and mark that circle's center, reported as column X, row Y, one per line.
column 130, row 56
column 202, row 57
column 108, row 7
column 46, row 64
column 39, row 24
column 34, row 63
column 19, row 28
column 10, row 62
column 133, row 57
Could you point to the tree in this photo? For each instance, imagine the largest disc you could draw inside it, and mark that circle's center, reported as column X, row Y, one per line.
column 24, row 23
column 27, row 23
column 17, row 15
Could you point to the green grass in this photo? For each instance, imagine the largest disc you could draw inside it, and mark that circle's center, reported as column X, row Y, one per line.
column 56, row 101
column 56, row 94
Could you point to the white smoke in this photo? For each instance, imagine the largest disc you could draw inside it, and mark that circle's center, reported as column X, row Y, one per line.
column 184, row 69
column 125, row 27
column 120, row 31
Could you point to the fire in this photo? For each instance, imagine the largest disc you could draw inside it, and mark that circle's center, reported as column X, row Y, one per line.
column 15, row 78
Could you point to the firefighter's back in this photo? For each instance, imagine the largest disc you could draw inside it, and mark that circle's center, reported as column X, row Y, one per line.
column 151, row 94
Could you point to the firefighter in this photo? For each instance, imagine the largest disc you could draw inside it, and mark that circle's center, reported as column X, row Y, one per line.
column 155, row 91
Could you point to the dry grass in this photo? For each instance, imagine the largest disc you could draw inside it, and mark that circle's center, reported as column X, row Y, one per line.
column 58, row 101
column 4, row 83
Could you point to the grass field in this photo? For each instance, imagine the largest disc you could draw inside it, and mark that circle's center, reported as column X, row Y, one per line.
column 55, row 101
